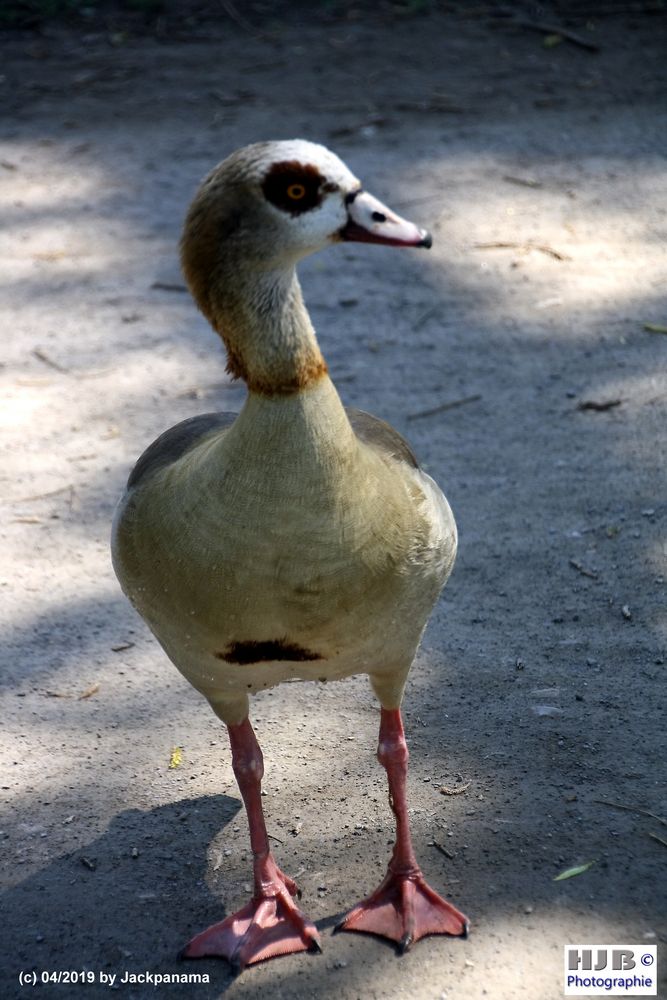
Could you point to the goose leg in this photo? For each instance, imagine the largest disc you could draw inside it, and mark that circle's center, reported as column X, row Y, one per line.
column 270, row 924
column 404, row 908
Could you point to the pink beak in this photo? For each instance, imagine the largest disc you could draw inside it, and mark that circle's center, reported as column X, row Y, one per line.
column 372, row 222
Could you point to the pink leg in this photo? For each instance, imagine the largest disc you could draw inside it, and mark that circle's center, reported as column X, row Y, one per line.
column 270, row 924
column 404, row 908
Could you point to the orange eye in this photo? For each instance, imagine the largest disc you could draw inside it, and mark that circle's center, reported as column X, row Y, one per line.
column 296, row 192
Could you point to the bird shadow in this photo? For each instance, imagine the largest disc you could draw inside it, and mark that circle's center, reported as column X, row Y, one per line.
column 147, row 869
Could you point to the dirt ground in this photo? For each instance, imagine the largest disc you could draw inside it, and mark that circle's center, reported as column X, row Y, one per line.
column 540, row 312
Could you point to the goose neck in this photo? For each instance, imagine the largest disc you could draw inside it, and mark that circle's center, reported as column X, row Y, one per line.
column 270, row 340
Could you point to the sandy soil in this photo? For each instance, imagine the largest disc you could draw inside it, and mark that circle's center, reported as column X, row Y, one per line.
column 538, row 683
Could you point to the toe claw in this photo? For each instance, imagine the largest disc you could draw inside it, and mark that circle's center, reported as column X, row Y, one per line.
column 405, row 944
column 315, row 947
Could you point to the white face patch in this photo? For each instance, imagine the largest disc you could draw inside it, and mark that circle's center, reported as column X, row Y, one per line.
column 321, row 225
column 329, row 165
column 304, row 186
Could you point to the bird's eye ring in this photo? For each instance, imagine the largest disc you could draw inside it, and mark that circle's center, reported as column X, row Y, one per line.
column 296, row 192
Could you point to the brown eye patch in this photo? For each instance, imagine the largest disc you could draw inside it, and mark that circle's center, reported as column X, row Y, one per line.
column 294, row 187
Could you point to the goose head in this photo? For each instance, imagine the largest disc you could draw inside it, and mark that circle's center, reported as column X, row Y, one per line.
column 253, row 218
column 272, row 203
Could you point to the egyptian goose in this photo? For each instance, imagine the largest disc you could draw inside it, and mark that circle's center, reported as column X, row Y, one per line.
column 296, row 539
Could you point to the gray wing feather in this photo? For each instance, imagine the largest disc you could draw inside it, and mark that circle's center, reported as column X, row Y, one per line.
column 379, row 434
column 175, row 442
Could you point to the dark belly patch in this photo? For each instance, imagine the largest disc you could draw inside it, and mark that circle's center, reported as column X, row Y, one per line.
column 265, row 652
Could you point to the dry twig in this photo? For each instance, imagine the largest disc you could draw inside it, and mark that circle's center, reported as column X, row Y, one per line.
column 554, row 29
column 522, row 181
column 632, row 809
column 444, row 406
column 443, row 850
column 238, row 18
column 42, row 496
column 446, row 790
column 582, row 569
column 599, row 406
column 524, row 247
column 43, row 356
column 168, row 286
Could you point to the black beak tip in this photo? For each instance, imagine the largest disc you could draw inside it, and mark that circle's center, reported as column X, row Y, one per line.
column 426, row 240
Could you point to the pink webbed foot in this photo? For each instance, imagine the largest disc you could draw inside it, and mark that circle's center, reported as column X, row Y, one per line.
column 269, row 925
column 404, row 909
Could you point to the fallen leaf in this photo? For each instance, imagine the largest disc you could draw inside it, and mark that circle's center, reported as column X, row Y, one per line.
column 655, row 328
column 547, row 711
column 89, row 692
column 572, row 872
column 176, row 758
